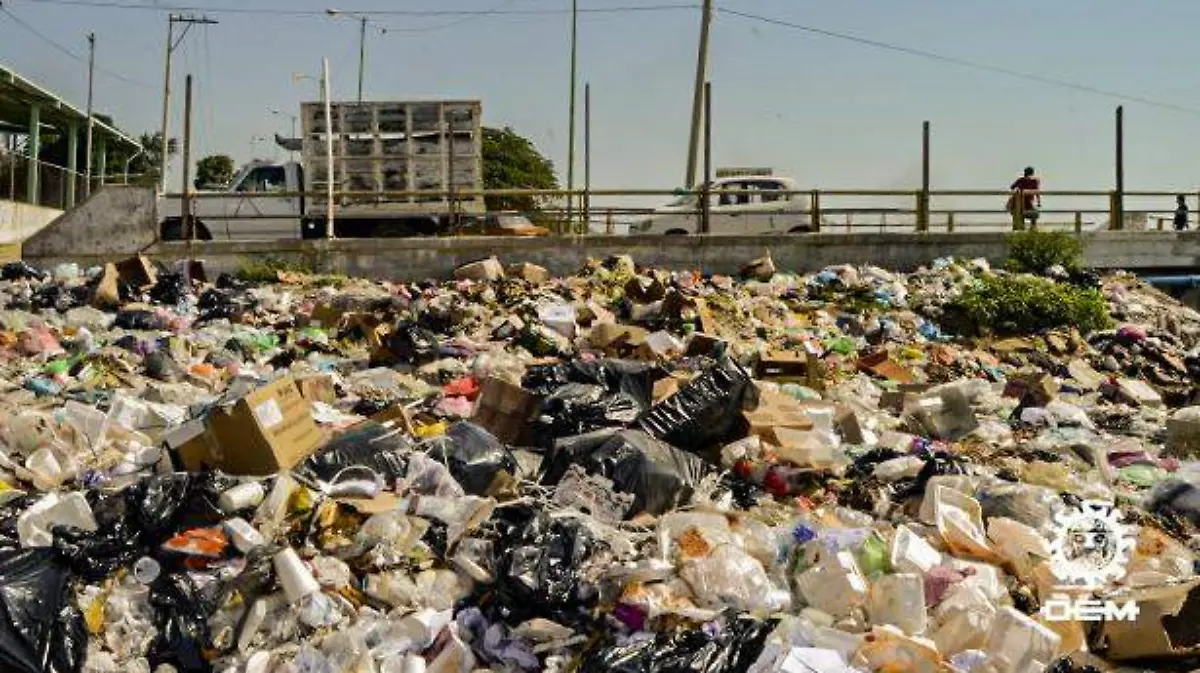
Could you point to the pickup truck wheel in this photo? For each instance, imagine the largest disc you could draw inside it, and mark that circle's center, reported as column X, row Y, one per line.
column 172, row 230
column 677, row 232
column 800, row 230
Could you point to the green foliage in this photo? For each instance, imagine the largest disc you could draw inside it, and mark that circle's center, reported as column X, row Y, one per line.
column 267, row 269
column 1023, row 304
column 1036, row 251
column 511, row 161
column 214, row 171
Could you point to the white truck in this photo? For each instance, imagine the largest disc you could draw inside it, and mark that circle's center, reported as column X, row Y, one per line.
column 395, row 170
column 738, row 204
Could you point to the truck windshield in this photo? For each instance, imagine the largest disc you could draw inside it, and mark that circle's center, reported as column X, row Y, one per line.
column 265, row 179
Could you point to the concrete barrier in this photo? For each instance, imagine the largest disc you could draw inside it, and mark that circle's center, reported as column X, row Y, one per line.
column 417, row 258
column 19, row 221
column 114, row 223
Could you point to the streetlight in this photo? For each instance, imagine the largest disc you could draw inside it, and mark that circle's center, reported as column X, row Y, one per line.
column 362, row 42
column 279, row 113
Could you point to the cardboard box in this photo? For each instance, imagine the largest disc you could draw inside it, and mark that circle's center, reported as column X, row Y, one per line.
column 504, row 410
column 882, row 365
column 1040, row 387
column 894, row 400
column 486, row 269
column 260, row 433
column 318, row 388
column 529, row 272
column 137, row 271
column 775, row 411
column 1166, row 625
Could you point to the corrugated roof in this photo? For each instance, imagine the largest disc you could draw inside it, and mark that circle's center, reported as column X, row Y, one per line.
column 18, row 93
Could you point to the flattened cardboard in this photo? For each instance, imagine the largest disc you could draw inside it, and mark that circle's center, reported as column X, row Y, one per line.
column 1168, row 623
column 268, row 430
column 504, row 409
column 318, row 388
column 137, row 271
column 881, row 364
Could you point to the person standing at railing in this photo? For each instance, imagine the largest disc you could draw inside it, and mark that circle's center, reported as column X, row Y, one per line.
column 1028, row 188
column 1181, row 213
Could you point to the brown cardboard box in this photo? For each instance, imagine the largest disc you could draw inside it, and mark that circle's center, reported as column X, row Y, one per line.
column 894, row 399
column 504, row 410
column 529, row 272
column 882, row 365
column 137, row 271
column 318, row 388
column 265, row 431
column 792, row 367
column 611, row 337
column 776, row 410
column 1040, row 386
column 1166, row 625
column 485, row 269
column 108, row 292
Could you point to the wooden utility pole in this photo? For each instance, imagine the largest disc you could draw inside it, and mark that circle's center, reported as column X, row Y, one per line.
column 1118, row 209
column 923, row 224
column 186, row 209
column 698, row 94
column 87, row 166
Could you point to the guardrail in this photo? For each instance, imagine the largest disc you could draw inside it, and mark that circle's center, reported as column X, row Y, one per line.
column 611, row 211
column 54, row 183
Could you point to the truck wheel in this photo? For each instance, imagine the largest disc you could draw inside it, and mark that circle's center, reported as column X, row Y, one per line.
column 172, row 230
column 676, row 232
column 800, row 230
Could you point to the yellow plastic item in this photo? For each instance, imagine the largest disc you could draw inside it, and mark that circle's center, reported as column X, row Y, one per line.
column 430, row 430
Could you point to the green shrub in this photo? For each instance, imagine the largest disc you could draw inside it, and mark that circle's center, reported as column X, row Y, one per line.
column 1036, row 251
column 266, row 269
column 1011, row 304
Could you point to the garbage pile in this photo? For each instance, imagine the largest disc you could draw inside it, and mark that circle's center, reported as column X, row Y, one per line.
column 628, row 469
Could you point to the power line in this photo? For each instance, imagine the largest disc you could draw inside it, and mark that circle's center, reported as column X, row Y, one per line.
column 48, row 40
column 953, row 60
column 455, row 22
column 122, row 4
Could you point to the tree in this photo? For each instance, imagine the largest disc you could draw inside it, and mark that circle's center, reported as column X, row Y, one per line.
column 144, row 166
column 214, row 171
column 511, row 161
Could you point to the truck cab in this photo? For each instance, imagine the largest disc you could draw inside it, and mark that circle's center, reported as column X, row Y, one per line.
column 233, row 214
column 753, row 204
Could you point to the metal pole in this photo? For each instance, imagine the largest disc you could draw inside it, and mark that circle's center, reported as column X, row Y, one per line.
column 166, row 112
column 450, row 167
column 87, row 167
column 362, row 54
column 698, row 93
column 571, row 124
column 1119, row 209
column 587, row 157
column 328, row 148
column 706, row 206
column 924, row 214
column 188, row 225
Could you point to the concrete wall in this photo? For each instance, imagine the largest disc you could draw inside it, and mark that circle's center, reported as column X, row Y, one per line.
column 116, row 222
column 413, row 259
column 18, row 221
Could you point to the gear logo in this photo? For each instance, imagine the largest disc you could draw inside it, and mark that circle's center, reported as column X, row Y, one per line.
column 1091, row 547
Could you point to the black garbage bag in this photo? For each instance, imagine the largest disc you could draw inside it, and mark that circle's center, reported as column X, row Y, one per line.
column 95, row 556
column 659, row 476
column 22, row 271
column 39, row 630
column 139, row 320
column 412, row 344
column 474, row 456
column 731, row 650
column 382, row 448
column 539, row 566
column 170, row 289
column 228, row 281
column 705, row 412
column 163, row 505
column 181, row 615
column 1176, row 497
column 160, row 367
column 577, row 408
column 217, row 304
column 54, row 296
column 937, row 464
column 636, row 379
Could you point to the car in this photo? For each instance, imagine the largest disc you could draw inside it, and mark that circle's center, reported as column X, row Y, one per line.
column 756, row 204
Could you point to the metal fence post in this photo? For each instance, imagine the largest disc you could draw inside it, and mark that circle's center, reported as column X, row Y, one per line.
column 1018, row 211
column 1078, row 222
column 1114, row 212
column 950, row 222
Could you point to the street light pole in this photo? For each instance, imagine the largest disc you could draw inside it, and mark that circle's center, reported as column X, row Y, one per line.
column 571, row 125
column 87, row 167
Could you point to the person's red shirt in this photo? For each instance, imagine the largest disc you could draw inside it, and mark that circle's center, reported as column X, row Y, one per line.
column 1029, row 185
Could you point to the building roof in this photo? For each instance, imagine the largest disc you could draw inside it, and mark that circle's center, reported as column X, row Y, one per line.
column 18, row 95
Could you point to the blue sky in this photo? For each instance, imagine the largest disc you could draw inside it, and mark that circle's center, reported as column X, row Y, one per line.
column 830, row 112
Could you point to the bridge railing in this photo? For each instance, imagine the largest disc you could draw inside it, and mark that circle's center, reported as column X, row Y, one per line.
column 626, row 211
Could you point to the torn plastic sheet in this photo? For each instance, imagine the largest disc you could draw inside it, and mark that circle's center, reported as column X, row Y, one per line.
column 704, row 412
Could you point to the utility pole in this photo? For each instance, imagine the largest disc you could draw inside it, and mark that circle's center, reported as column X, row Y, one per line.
column 87, row 166
column 571, row 125
column 188, row 21
column 362, row 53
column 706, row 227
column 587, row 157
column 698, row 93
column 186, row 210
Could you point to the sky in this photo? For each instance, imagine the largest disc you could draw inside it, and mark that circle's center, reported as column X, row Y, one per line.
column 831, row 112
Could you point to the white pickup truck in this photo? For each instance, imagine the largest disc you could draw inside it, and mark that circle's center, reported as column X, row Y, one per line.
column 754, row 204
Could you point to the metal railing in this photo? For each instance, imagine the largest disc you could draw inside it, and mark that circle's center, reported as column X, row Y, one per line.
column 611, row 211
column 54, row 182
